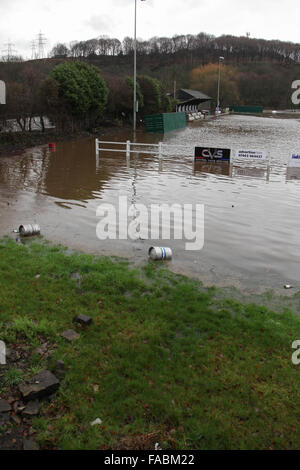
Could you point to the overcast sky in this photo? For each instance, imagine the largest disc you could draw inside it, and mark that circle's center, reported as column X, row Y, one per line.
column 68, row 20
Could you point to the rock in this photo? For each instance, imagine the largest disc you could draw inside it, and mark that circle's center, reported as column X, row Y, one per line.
column 31, row 431
column 42, row 349
column 82, row 319
column 16, row 419
column 4, row 419
column 18, row 406
column 12, row 355
column 43, row 384
column 30, row 444
column 4, row 406
column 32, row 409
column 70, row 335
column 60, row 370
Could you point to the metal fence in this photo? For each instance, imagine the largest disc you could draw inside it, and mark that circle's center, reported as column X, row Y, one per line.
column 159, row 149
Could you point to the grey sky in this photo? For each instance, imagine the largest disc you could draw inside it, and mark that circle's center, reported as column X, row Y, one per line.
column 68, row 20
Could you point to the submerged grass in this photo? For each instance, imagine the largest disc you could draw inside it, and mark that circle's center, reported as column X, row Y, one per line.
column 164, row 358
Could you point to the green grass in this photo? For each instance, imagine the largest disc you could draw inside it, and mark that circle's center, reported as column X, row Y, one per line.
column 165, row 358
column 12, row 377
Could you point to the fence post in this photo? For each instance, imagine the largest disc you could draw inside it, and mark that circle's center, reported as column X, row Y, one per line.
column 127, row 148
column 160, row 149
column 97, row 147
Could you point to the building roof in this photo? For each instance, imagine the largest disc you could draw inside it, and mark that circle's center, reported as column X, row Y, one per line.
column 194, row 94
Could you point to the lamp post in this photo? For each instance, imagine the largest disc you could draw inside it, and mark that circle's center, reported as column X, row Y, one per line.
column 219, row 81
column 134, row 71
column 2, row 92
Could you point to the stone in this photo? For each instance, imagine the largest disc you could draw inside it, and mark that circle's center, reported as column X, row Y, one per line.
column 4, row 406
column 60, row 370
column 16, row 419
column 43, row 384
column 70, row 335
column 31, row 431
column 30, row 444
column 32, row 409
column 82, row 319
column 18, row 406
column 42, row 349
column 12, row 355
column 4, row 419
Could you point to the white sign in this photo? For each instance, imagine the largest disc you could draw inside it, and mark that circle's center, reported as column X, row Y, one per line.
column 296, row 95
column 294, row 160
column 2, row 92
column 251, row 154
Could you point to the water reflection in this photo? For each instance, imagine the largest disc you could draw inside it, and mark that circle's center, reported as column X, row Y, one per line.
column 213, row 168
column 292, row 174
column 251, row 172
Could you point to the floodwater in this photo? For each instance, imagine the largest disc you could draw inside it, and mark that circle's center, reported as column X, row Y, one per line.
column 252, row 223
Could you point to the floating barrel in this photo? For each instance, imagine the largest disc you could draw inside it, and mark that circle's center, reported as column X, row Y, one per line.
column 52, row 146
column 159, row 252
column 29, row 229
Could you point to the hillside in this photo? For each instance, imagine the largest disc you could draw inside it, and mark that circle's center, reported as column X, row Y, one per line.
column 254, row 71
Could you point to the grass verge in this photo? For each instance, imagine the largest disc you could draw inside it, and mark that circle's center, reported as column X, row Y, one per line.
column 165, row 359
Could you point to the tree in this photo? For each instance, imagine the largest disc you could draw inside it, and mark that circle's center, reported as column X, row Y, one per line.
column 205, row 79
column 152, row 93
column 155, row 96
column 55, row 107
column 76, row 92
column 120, row 99
column 60, row 50
column 23, row 102
column 16, row 104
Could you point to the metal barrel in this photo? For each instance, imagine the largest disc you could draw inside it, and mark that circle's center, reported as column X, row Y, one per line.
column 160, row 252
column 29, row 229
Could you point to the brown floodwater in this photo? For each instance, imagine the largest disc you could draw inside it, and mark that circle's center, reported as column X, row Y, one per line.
column 252, row 222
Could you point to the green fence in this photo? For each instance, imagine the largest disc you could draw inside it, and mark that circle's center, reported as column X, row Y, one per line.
column 247, row 109
column 165, row 122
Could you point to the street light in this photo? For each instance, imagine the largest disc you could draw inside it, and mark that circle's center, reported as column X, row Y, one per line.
column 2, row 92
column 219, row 80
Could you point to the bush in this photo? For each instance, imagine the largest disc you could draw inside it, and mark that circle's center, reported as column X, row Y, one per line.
column 75, row 92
